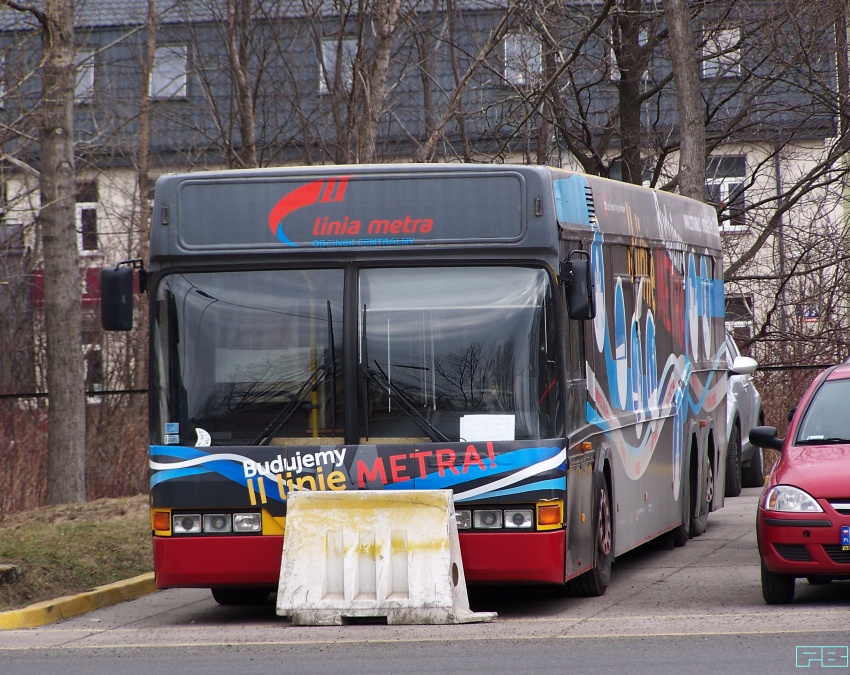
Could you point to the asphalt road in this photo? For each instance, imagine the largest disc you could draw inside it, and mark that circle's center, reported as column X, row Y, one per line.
column 692, row 609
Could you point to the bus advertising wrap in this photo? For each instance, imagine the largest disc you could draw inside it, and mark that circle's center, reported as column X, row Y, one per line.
column 249, row 476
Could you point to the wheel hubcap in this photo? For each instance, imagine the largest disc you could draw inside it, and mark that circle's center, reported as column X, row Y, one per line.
column 604, row 533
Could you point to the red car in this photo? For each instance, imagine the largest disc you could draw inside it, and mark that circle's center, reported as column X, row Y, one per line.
column 803, row 522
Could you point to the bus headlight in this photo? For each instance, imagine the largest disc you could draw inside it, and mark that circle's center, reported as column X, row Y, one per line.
column 463, row 519
column 217, row 522
column 487, row 520
column 186, row 523
column 519, row 519
column 247, row 522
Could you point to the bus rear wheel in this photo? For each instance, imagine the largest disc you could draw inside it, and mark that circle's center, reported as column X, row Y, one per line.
column 703, row 495
column 594, row 582
column 683, row 532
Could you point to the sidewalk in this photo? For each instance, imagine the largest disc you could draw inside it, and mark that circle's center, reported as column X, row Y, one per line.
column 50, row 611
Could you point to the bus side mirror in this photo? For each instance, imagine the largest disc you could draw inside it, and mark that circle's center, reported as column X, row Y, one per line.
column 577, row 277
column 116, row 295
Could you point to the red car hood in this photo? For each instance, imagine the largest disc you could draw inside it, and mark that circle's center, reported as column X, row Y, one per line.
column 821, row 470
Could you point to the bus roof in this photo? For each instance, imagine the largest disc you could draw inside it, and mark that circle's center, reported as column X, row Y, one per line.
column 389, row 205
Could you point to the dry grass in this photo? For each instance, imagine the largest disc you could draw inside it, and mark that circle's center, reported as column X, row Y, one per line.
column 74, row 548
column 116, row 450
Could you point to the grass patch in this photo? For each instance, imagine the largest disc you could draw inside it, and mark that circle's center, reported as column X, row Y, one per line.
column 72, row 548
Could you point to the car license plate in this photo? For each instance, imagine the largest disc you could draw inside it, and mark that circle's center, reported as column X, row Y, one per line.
column 845, row 537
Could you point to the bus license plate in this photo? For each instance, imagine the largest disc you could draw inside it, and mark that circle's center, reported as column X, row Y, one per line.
column 845, row 537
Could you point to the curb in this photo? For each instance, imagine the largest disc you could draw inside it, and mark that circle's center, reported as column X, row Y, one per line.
column 51, row 611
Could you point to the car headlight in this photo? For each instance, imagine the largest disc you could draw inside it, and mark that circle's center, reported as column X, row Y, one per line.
column 791, row 500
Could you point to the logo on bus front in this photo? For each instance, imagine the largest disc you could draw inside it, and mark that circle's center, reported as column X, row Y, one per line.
column 334, row 225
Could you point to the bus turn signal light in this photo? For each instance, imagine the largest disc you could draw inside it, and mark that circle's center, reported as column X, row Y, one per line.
column 161, row 521
column 549, row 515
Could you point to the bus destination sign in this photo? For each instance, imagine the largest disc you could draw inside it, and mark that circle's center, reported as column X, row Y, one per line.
column 371, row 210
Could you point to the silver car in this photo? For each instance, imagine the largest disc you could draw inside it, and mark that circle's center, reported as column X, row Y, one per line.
column 744, row 461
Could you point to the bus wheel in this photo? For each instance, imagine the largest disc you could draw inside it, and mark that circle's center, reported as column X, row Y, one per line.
column 702, row 504
column 240, row 596
column 683, row 532
column 594, row 582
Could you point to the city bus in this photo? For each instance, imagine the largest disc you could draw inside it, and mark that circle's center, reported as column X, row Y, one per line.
column 545, row 344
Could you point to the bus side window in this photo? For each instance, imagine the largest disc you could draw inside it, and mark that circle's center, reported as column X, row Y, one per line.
column 575, row 359
column 574, row 333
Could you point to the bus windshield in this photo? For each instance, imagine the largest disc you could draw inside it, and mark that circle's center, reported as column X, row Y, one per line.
column 471, row 350
column 444, row 354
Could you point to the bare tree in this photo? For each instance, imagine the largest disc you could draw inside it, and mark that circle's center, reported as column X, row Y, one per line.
column 66, row 440
column 689, row 99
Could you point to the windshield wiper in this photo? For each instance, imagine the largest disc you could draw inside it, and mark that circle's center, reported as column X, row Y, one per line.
column 832, row 440
column 297, row 400
column 380, row 378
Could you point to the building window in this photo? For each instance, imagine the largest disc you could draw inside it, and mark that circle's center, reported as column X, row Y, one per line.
column 739, row 316
column 331, row 48
column 721, row 54
column 739, row 309
column 725, row 188
column 523, row 60
column 169, row 75
column 87, row 216
column 84, row 89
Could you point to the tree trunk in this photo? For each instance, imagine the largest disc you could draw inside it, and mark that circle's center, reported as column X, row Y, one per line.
column 375, row 91
column 66, row 431
column 689, row 99
column 239, row 20
column 137, row 341
column 625, row 27
column 842, row 67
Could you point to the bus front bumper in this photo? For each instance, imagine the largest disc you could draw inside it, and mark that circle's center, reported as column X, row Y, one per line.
column 521, row 557
column 232, row 561
column 223, row 561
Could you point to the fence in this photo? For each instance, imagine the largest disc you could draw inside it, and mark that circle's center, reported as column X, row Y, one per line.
column 116, row 448
column 117, row 437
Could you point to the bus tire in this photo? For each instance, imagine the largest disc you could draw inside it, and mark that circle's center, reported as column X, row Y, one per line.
column 683, row 532
column 703, row 495
column 594, row 582
column 240, row 596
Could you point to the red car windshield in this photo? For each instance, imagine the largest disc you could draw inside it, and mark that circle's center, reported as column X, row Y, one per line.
column 826, row 419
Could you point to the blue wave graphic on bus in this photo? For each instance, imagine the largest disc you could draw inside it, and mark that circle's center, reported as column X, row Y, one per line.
column 551, row 484
column 518, row 466
column 194, row 462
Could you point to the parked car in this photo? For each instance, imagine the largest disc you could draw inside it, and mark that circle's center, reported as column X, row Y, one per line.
column 803, row 522
column 744, row 461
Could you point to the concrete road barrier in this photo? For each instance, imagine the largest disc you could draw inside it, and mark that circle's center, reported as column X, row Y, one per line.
column 392, row 554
